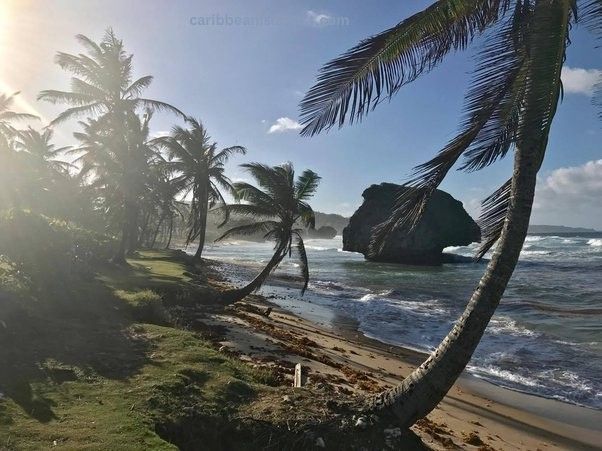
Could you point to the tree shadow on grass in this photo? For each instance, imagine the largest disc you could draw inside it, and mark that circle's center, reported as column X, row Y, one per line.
column 76, row 324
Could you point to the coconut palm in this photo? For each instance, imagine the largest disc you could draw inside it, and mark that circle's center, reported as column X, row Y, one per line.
column 11, row 163
column 103, row 83
column 510, row 106
column 276, row 207
column 199, row 169
column 120, row 174
column 7, row 116
column 42, row 152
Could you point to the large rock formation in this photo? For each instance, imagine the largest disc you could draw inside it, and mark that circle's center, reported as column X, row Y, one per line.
column 445, row 223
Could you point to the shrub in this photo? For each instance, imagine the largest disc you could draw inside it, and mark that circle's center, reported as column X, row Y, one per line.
column 145, row 306
column 42, row 247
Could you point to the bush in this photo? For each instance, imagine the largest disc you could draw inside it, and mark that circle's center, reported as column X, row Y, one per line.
column 40, row 246
column 145, row 306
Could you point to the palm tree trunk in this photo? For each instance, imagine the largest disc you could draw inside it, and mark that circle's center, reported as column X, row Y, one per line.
column 232, row 296
column 156, row 232
column 119, row 256
column 170, row 232
column 422, row 390
column 203, row 206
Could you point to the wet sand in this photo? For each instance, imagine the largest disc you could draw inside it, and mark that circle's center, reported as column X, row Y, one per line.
column 474, row 415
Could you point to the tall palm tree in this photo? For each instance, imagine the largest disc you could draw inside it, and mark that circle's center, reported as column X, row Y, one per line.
column 103, row 88
column 276, row 207
column 103, row 83
column 510, row 106
column 199, row 169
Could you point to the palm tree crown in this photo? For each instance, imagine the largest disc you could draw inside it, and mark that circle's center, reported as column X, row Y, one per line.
column 277, row 207
column 103, row 82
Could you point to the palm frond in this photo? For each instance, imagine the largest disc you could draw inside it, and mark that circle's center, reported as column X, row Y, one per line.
column 307, row 184
column 492, row 110
column 136, row 88
column 492, row 218
column 223, row 155
column 156, row 105
column 304, row 264
column 590, row 14
column 249, row 229
column 353, row 84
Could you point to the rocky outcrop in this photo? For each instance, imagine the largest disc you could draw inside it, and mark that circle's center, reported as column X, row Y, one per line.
column 445, row 223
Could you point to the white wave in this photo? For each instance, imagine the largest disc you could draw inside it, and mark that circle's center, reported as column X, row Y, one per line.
column 531, row 238
column 485, row 372
column 524, row 252
column 595, row 242
column 504, row 325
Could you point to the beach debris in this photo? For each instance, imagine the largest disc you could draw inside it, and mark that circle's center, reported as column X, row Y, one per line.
column 361, row 422
column 320, row 442
column 298, row 380
column 286, row 398
column 267, row 312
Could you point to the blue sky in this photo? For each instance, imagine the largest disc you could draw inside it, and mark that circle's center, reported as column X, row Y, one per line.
column 240, row 79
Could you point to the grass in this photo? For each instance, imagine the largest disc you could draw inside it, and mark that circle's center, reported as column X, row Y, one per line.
column 83, row 365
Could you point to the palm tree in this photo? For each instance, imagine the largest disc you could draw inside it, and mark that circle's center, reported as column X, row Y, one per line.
column 510, row 106
column 199, row 170
column 277, row 207
column 120, row 174
column 7, row 131
column 103, row 87
column 43, row 153
column 11, row 163
column 102, row 84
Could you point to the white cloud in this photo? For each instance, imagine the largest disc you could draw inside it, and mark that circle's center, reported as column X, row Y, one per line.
column 317, row 18
column 284, row 124
column 577, row 80
column 570, row 196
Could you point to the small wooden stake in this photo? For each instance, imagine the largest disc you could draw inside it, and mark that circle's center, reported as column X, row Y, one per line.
column 298, row 382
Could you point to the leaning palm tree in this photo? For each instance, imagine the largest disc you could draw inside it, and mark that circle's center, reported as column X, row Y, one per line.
column 510, row 106
column 277, row 208
column 199, row 169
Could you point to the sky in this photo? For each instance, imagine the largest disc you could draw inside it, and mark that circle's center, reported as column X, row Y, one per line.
column 243, row 66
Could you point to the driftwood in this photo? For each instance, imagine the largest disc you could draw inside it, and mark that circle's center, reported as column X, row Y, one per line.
column 298, row 381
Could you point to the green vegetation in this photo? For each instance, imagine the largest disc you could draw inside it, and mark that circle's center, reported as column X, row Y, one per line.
column 275, row 209
column 89, row 365
column 510, row 106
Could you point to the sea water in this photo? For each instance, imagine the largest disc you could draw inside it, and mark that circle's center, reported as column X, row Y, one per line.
column 545, row 338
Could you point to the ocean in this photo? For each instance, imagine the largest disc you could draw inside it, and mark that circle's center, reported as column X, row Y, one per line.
column 545, row 338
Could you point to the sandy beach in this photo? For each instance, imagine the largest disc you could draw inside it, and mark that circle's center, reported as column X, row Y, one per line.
column 474, row 415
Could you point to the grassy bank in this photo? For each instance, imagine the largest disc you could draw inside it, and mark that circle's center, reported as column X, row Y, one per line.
column 97, row 362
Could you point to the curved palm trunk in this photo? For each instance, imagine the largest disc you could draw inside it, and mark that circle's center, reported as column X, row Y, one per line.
column 257, row 282
column 203, row 206
column 422, row 390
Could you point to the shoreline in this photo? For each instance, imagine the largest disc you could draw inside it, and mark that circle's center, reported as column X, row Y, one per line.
column 473, row 403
